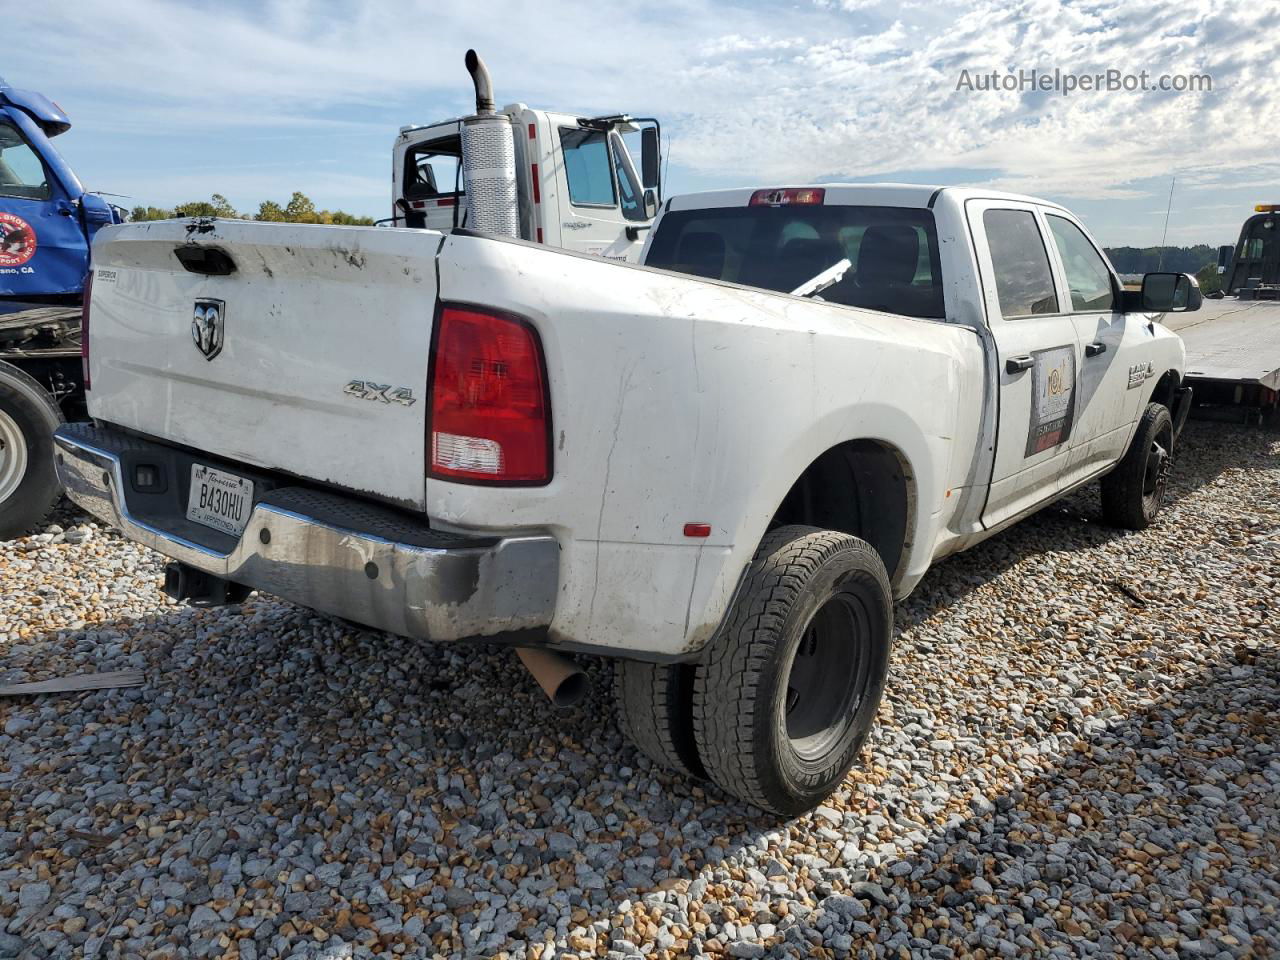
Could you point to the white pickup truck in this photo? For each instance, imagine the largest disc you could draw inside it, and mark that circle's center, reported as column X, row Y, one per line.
column 718, row 467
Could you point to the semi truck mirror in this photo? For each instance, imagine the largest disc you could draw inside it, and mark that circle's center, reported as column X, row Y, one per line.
column 1170, row 293
column 650, row 203
column 1224, row 257
column 650, row 159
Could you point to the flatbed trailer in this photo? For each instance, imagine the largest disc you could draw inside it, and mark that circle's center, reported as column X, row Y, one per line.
column 1233, row 357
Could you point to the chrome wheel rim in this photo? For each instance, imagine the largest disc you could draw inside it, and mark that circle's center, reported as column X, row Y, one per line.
column 13, row 456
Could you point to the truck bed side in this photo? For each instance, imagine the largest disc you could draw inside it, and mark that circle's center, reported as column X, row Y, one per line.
column 679, row 400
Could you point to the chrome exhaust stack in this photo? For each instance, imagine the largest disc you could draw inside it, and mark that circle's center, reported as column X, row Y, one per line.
column 483, row 84
column 562, row 680
column 489, row 161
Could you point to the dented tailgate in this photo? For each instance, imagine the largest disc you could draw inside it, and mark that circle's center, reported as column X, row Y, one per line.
column 309, row 357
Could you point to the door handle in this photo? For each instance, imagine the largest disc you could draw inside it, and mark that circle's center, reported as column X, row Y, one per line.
column 1018, row 364
column 1094, row 349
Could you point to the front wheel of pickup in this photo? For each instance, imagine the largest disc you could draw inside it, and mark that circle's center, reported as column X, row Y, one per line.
column 787, row 691
column 28, row 484
column 1133, row 492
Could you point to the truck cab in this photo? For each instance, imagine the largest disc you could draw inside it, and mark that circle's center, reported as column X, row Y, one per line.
column 1251, row 269
column 47, row 219
column 577, row 184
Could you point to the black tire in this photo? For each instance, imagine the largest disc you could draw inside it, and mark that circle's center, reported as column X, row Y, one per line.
column 1133, row 492
column 31, row 417
column 777, row 725
column 655, row 712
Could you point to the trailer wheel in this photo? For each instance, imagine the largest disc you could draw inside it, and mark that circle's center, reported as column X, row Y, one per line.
column 1133, row 492
column 28, row 484
column 788, row 690
column 655, row 712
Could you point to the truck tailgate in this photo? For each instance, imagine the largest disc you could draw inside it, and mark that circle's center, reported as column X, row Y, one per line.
column 316, row 361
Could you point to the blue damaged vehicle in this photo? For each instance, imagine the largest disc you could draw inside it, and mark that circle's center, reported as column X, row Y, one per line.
column 47, row 223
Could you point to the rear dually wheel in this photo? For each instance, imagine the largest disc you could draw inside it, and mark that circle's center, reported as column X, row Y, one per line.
column 788, row 689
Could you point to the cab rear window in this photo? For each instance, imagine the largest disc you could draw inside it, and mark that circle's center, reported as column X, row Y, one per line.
column 893, row 252
column 433, row 170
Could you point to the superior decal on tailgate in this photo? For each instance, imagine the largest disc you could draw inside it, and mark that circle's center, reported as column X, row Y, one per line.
column 1053, row 398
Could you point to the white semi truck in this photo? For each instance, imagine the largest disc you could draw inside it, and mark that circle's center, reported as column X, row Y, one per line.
column 551, row 178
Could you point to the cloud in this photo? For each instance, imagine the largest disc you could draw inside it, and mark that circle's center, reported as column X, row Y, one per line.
column 855, row 105
column 836, row 89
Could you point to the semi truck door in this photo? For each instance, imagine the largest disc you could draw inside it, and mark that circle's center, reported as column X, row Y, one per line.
column 594, row 219
column 1038, row 354
column 43, row 250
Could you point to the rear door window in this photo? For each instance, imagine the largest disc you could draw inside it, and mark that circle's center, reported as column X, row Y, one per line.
column 588, row 167
column 892, row 252
column 1024, row 282
column 22, row 172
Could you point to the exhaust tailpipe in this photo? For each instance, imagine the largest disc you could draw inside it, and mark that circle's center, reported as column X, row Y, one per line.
column 484, row 86
column 489, row 161
column 559, row 677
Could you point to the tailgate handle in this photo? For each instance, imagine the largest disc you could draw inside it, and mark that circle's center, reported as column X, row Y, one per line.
column 209, row 261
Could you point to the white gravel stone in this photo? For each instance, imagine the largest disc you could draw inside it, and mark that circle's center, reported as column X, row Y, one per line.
column 1058, row 769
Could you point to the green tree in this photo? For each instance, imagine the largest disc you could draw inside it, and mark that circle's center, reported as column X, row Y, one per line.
column 300, row 209
column 215, row 206
column 270, row 211
column 150, row 213
column 1209, row 277
column 1150, row 259
column 345, row 219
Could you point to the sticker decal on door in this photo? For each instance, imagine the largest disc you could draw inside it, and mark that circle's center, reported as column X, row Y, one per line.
column 17, row 240
column 1053, row 398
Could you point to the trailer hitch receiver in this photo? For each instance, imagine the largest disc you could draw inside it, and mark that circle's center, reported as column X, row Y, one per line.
column 200, row 589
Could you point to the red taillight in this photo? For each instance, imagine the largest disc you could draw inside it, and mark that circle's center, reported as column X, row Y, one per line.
column 791, row 196
column 84, row 327
column 490, row 418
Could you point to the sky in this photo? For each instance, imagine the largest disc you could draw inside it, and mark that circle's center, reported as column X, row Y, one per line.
column 171, row 102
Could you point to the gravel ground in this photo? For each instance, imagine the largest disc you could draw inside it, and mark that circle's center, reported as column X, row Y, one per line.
column 1077, row 756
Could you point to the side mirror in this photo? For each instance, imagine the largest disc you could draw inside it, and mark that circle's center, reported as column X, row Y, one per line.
column 650, row 203
column 1224, row 257
column 650, row 159
column 1170, row 293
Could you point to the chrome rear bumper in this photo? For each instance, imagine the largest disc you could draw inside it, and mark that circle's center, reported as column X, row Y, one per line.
column 330, row 552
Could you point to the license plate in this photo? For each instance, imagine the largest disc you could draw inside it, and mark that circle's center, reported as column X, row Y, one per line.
column 219, row 500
